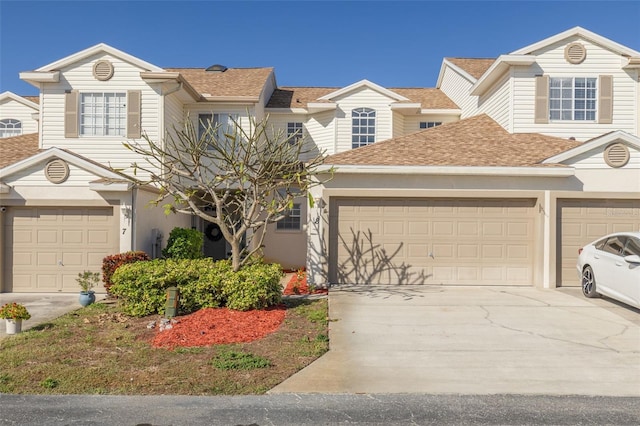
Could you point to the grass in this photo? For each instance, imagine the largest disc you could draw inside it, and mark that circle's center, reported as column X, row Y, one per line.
column 97, row 350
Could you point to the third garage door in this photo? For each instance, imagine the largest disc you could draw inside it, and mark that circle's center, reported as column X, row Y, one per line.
column 437, row 241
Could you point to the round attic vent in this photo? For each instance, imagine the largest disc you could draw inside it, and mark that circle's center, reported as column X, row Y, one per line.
column 575, row 53
column 56, row 171
column 616, row 155
column 103, row 70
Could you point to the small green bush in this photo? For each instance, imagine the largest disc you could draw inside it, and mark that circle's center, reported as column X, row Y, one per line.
column 111, row 263
column 202, row 283
column 184, row 243
column 256, row 286
column 229, row 359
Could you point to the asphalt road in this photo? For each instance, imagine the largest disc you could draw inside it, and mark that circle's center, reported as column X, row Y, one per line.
column 318, row 409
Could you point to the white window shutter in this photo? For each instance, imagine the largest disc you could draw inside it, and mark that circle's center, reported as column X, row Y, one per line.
column 542, row 100
column 133, row 114
column 71, row 114
column 605, row 99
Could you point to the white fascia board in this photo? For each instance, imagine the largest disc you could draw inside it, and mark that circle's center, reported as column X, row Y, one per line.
column 63, row 155
column 497, row 69
column 159, row 76
column 98, row 48
column 457, row 69
column 364, row 83
column 411, row 107
column 450, row 170
column 457, row 112
column 313, row 107
column 618, row 135
column 238, row 99
column 285, row 110
column 36, row 77
column 578, row 32
column 633, row 62
column 20, row 99
column 110, row 186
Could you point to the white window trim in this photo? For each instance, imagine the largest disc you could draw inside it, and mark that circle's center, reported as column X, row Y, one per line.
column 102, row 120
column 429, row 124
column 297, row 208
column 216, row 119
column 363, row 113
column 294, row 127
column 573, row 101
column 10, row 127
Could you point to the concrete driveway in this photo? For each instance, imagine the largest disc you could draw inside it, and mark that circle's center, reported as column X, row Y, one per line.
column 475, row 340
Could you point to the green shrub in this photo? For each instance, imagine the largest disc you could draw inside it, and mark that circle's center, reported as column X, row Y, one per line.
column 111, row 263
column 256, row 286
column 184, row 243
column 229, row 359
column 202, row 283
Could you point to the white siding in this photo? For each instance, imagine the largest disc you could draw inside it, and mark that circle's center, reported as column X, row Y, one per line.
column 599, row 61
column 321, row 131
column 366, row 98
column 398, row 124
column 10, row 108
column 496, row 102
column 412, row 122
column 173, row 112
column 594, row 159
column 456, row 87
column 79, row 76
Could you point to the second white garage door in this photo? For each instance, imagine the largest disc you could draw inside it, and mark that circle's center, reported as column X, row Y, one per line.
column 46, row 247
column 437, row 241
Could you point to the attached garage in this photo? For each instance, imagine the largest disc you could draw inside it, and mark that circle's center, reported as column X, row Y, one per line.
column 432, row 241
column 583, row 221
column 46, row 247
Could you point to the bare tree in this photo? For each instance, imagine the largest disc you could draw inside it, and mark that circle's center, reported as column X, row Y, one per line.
column 240, row 179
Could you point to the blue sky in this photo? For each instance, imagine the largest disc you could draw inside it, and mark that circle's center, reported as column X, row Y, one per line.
column 324, row 43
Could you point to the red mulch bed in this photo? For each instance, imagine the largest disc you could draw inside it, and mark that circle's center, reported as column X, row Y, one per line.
column 299, row 286
column 211, row 326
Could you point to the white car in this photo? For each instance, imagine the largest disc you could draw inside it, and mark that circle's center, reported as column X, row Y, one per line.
column 611, row 266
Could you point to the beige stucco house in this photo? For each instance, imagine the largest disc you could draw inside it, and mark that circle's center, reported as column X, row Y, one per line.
column 494, row 177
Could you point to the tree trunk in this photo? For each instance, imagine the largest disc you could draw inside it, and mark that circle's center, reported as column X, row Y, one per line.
column 235, row 254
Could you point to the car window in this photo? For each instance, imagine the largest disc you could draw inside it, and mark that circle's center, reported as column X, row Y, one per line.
column 632, row 247
column 615, row 245
column 600, row 244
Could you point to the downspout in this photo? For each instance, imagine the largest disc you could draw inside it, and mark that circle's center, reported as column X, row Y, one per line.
column 134, row 199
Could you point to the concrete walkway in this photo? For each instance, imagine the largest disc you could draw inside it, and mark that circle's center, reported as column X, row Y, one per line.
column 43, row 307
column 470, row 340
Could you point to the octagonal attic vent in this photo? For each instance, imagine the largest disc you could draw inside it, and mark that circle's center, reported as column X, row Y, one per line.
column 56, row 171
column 103, row 70
column 575, row 53
column 616, row 155
column 217, row 68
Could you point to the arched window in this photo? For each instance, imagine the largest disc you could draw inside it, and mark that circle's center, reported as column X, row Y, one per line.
column 10, row 127
column 363, row 127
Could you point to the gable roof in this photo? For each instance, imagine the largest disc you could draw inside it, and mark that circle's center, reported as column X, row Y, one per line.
column 18, row 148
column 98, row 48
column 597, row 142
column 473, row 142
column 299, row 97
column 360, row 84
column 234, row 82
column 475, row 67
column 577, row 32
column 29, row 101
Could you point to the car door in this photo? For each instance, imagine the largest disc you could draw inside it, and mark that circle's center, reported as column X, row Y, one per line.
column 609, row 266
column 630, row 279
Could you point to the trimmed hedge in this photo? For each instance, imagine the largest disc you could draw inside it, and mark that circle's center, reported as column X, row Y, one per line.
column 111, row 263
column 203, row 283
column 184, row 243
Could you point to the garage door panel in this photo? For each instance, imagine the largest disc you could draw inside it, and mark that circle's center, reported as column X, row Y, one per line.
column 583, row 221
column 47, row 247
column 444, row 241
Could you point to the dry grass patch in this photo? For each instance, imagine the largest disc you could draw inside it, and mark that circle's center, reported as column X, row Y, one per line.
column 97, row 350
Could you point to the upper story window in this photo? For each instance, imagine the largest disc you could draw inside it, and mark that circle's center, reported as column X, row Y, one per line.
column 294, row 132
column 223, row 123
column 572, row 98
column 103, row 114
column 291, row 221
column 10, row 127
column 429, row 124
column 363, row 127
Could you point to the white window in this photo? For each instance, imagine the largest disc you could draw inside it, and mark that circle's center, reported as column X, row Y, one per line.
column 291, row 222
column 572, row 98
column 225, row 122
column 429, row 124
column 363, row 127
column 103, row 114
column 10, row 127
column 294, row 132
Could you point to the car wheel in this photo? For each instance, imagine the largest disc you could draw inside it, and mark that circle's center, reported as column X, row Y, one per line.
column 589, row 283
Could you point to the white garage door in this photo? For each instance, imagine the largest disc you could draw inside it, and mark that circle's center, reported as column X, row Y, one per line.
column 438, row 241
column 46, row 248
column 583, row 221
